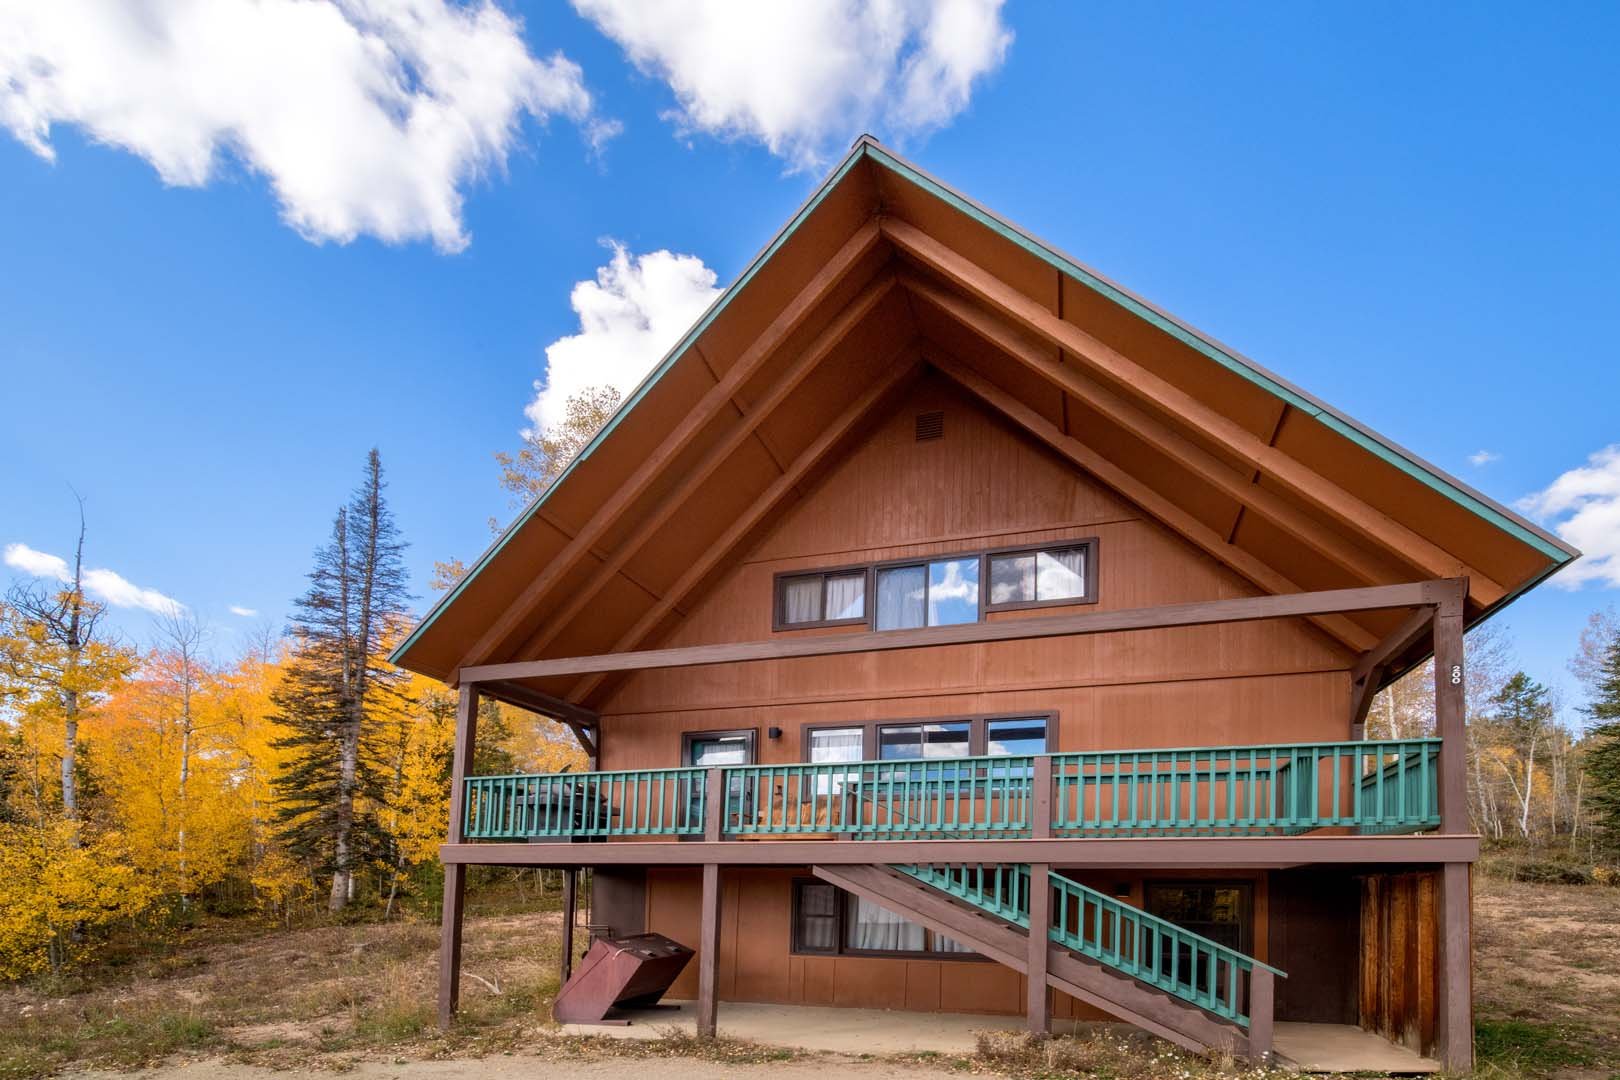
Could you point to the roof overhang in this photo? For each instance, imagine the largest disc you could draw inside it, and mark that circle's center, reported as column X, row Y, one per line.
column 886, row 273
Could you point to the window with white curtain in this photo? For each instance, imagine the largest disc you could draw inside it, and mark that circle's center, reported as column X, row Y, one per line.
column 833, row 745
column 821, row 599
column 830, row 921
column 943, row 592
column 1038, row 576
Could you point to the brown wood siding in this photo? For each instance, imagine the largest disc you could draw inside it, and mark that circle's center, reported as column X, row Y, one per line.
column 1399, row 939
column 1314, row 936
column 985, row 485
column 756, row 963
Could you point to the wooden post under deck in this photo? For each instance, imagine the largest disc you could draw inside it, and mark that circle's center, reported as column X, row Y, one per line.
column 1039, row 1002
column 709, row 919
column 455, row 874
column 1455, row 968
column 570, row 899
column 1262, row 999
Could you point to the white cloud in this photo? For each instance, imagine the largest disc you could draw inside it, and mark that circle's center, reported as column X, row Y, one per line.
column 244, row 612
column 365, row 116
column 105, row 585
column 35, row 563
column 804, row 77
column 1480, row 458
column 1584, row 507
column 633, row 313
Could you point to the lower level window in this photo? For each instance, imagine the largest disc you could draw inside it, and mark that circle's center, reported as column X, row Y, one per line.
column 828, row 920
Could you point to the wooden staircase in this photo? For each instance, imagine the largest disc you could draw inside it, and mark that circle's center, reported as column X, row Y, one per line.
column 1130, row 964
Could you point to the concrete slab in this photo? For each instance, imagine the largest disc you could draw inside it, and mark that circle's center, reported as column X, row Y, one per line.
column 811, row 1027
column 1345, row 1048
column 1326, row 1048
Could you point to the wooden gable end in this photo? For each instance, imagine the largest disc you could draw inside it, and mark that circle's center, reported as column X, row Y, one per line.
column 886, row 274
column 983, row 484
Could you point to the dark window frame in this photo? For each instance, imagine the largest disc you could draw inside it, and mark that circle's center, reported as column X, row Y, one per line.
column 689, row 737
column 841, row 927
column 1089, row 545
column 779, row 582
column 1244, row 886
column 978, row 732
column 982, row 555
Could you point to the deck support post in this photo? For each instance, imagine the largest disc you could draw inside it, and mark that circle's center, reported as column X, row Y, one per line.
column 1039, row 1000
column 1262, row 998
column 1450, row 706
column 1456, row 976
column 570, row 899
column 455, row 874
column 708, row 952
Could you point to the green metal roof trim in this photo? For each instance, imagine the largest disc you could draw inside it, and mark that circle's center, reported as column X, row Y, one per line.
column 1395, row 455
column 636, row 395
column 866, row 146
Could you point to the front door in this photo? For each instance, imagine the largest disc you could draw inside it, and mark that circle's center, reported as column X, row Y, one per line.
column 714, row 749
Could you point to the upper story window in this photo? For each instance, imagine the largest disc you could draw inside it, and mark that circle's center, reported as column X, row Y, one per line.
column 942, row 591
column 1045, row 575
column 824, row 598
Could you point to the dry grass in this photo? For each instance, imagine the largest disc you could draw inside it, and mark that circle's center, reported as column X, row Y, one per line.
column 1103, row 1054
column 1547, row 979
column 1547, row 984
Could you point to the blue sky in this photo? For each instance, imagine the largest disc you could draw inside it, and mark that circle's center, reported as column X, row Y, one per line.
column 1411, row 211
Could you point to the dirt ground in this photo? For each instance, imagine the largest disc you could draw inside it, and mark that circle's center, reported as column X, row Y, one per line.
column 532, row 1068
column 230, row 1002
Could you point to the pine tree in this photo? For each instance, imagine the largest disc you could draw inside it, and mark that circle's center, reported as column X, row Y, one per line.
column 336, row 684
column 1522, row 718
column 1603, row 737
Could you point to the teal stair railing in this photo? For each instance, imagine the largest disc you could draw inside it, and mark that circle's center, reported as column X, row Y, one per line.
column 1126, row 939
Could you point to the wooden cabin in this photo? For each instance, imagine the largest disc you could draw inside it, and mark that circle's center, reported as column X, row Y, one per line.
column 950, row 629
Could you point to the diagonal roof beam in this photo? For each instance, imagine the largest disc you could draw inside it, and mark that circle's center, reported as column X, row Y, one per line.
column 825, row 342
column 1204, row 465
column 800, row 468
column 1136, row 381
column 717, row 398
column 1343, row 630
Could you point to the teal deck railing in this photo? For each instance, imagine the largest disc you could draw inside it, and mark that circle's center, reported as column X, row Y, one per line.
column 1249, row 790
column 1279, row 789
column 635, row 802
column 956, row 797
column 1154, row 950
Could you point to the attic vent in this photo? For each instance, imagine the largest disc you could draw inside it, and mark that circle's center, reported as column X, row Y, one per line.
column 930, row 425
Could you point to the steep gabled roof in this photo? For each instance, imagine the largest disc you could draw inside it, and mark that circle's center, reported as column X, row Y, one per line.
column 886, row 270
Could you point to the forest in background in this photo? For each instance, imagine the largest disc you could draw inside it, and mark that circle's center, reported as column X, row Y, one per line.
column 146, row 785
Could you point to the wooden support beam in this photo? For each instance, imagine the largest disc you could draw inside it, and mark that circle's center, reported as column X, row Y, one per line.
column 450, row 918
column 1369, row 670
column 1147, row 853
column 1038, row 1005
column 1212, row 543
column 1455, row 993
column 535, row 701
column 582, row 722
column 1262, row 1003
column 1148, row 388
column 718, row 397
column 694, row 478
column 708, row 953
column 570, row 901
column 1203, row 465
column 455, row 874
column 1198, row 613
column 831, row 437
column 1450, row 707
